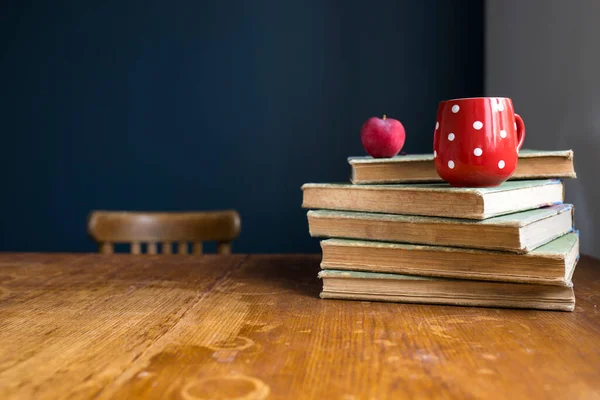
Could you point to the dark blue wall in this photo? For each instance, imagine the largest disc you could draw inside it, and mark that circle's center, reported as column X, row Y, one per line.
column 177, row 105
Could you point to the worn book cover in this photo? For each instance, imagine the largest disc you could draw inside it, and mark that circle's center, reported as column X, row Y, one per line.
column 532, row 164
column 550, row 264
column 354, row 285
column 519, row 232
column 435, row 199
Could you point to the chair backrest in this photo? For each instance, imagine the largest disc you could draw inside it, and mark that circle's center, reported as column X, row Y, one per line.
column 165, row 228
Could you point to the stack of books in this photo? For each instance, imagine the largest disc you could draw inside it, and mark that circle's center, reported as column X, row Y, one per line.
column 398, row 233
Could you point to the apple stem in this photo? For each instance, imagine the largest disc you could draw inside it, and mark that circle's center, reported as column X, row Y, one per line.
column 384, row 117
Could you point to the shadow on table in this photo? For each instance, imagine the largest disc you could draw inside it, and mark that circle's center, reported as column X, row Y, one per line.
column 277, row 273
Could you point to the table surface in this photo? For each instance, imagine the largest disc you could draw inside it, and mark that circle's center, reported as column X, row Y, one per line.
column 253, row 327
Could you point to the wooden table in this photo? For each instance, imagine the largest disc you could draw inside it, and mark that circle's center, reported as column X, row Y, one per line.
column 253, row 327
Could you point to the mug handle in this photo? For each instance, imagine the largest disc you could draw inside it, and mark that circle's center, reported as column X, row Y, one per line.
column 520, row 131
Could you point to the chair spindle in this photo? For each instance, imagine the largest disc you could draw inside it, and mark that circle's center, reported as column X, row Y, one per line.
column 136, row 248
column 183, row 247
column 224, row 248
column 197, row 248
column 106, row 248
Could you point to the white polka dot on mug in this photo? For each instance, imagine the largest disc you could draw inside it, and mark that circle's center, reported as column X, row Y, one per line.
column 476, row 141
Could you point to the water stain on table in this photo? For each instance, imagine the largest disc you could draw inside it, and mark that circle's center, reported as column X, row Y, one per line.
column 253, row 327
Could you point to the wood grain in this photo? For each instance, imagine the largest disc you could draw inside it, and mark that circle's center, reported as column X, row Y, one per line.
column 252, row 327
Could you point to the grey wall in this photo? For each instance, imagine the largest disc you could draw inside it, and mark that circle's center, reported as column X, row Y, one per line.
column 200, row 105
column 545, row 55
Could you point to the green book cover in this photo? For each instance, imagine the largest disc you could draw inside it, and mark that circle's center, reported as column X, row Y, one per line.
column 435, row 199
column 372, row 286
column 532, row 164
column 519, row 232
column 550, row 264
column 518, row 219
column 439, row 187
column 523, row 153
column 557, row 249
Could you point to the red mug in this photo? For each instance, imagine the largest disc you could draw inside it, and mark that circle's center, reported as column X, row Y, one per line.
column 477, row 140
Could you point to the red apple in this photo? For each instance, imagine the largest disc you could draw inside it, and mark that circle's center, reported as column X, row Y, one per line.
column 382, row 138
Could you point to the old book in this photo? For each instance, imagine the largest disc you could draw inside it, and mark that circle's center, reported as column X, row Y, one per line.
column 413, row 289
column 533, row 164
column 519, row 232
column 435, row 199
column 550, row 264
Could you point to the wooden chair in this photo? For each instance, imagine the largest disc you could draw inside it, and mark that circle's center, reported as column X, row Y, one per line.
column 110, row 227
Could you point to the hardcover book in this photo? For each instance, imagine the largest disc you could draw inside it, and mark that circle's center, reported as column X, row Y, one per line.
column 519, row 232
column 441, row 200
column 413, row 289
column 550, row 264
column 533, row 164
